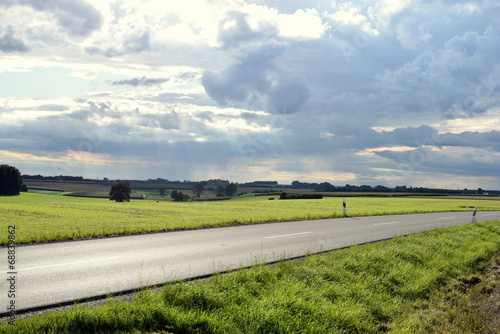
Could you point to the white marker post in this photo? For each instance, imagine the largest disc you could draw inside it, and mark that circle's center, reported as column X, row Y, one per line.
column 344, row 207
column 474, row 216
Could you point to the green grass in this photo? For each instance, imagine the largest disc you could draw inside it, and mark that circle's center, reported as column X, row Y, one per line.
column 374, row 288
column 41, row 218
column 467, row 304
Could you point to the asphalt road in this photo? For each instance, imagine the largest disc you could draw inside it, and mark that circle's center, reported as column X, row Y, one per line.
column 58, row 273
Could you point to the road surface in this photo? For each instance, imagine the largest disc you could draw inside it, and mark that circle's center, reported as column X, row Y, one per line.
column 47, row 275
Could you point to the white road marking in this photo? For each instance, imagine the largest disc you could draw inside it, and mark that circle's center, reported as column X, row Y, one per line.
column 385, row 223
column 446, row 217
column 60, row 264
column 287, row 235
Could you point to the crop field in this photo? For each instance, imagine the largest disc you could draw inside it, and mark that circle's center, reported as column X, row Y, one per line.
column 77, row 189
column 67, row 186
column 40, row 217
column 405, row 285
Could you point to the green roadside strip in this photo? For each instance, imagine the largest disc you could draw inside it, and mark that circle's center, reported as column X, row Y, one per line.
column 385, row 287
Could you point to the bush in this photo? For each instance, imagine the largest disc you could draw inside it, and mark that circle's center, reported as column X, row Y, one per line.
column 178, row 196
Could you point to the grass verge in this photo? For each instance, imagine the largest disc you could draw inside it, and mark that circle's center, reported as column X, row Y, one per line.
column 469, row 303
column 40, row 218
column 375, row 288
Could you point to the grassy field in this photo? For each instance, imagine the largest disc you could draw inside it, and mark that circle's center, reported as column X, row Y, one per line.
column 399, row 286
column 40, row 217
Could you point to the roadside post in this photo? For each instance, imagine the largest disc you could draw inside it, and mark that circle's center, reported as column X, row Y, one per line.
column 474, row 216
column 344, row 207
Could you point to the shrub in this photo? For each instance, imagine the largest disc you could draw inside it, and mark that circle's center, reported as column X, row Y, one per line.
column 178, row 196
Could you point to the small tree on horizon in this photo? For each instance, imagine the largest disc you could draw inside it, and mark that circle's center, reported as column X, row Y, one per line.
column 231, row 189
column 120, row 192
column 219, row 191
column 198, row 189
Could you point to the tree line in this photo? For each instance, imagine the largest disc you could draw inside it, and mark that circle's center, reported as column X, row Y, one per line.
column 284, row 195
column 55, row 178
column 327, row 187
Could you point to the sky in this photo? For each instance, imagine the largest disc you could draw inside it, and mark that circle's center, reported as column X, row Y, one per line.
column 378, row 92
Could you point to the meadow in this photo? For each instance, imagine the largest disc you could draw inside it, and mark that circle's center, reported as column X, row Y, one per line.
column 42, row 217
column 404, row 285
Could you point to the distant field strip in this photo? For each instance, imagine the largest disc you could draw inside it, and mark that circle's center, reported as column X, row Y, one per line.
column 40, row 218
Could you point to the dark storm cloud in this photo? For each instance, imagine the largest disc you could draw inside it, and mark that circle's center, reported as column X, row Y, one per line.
column 139, row 82
column 8, row 43
column 257, row 80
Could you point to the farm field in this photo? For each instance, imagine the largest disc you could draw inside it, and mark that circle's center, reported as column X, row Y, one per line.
column 41, row 218
column 412, row 284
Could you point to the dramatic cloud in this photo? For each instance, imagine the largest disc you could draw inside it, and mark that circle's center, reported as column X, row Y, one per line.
column 448, row 79
column 368, row 92
column 259, row 82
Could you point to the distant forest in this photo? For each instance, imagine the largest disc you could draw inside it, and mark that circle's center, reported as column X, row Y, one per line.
column 320, row 187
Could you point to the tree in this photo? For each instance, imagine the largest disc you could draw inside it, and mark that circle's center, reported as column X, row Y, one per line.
column 10, row 180
column 120, row 192
column 220, row 190
column 162, row 191
column 198, row 189
column 231, row 189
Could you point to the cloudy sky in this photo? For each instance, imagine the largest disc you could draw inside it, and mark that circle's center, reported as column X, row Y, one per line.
column 361, row 92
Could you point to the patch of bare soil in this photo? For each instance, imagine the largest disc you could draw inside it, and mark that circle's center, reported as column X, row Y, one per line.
column 66, row 186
